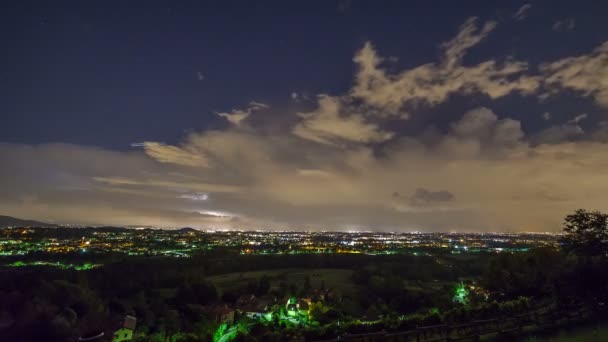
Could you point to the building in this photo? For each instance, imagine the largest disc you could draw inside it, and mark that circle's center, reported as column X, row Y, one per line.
column 125, row 333
column 292, row 307
column 221, row 313
column 256, row 307
column 304, row 305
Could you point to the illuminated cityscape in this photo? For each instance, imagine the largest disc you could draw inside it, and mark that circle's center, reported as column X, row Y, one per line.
column 185, row 242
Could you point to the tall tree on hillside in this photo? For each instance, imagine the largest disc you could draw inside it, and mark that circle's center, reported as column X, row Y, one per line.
column 586, row 233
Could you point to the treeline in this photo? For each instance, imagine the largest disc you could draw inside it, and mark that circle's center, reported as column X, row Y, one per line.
column 169, row 295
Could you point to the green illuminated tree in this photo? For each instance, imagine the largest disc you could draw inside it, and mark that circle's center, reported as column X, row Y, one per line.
column 317, row 310
column 323, row 314
column 461, row 294
column 586, row 233
column 220, row 332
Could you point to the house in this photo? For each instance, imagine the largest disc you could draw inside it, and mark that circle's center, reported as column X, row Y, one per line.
column 321, row 294
column 264, row 303
column 125, row 333
column 304, row 304
column 221, row 313
column 255, row 307
column 292, row 307
column 245, row 300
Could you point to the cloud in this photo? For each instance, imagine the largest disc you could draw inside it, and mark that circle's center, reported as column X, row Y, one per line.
column 299, row 97
column 564, row 25
column 174, row 155
column 195, row 196
column 236, row 116
column 424, row 201
column 345, row 164
column 475, row 123
column 169, row 182
column 522, row 12
column 468, row 36
column 282, row 181
column 601, row 134
column 432, row 83
column 329, row 125
column 253, row 105
column 425, row 197
column 481, row 124
column 578, row 118
column 585, row 74
column 558, row 133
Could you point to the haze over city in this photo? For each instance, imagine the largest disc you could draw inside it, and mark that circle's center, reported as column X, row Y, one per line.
column 425, row 116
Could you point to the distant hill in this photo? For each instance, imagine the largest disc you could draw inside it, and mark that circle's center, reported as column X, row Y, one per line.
column 187, row 230
column 8, row 221
column 107, row 229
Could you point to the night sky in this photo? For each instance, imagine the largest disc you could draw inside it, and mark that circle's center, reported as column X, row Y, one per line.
column 323, row 115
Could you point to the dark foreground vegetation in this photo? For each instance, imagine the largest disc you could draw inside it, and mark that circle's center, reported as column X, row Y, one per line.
column 208, row 296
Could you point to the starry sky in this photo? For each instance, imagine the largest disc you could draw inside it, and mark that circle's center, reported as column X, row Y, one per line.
column 320, row 115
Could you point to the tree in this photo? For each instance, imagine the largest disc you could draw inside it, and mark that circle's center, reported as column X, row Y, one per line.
column 586, row 233
column 172, row 323
column 320, row 313
column 524, row 274
column 461, row 294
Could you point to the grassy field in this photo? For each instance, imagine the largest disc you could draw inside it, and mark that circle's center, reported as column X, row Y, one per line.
column 335, row 279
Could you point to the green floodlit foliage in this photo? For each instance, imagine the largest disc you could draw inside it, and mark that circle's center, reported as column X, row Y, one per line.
column 291, row 307
column 461, row 294
column 228, row 332
column 220, row 332
column 83, row 267
column 288, row 316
